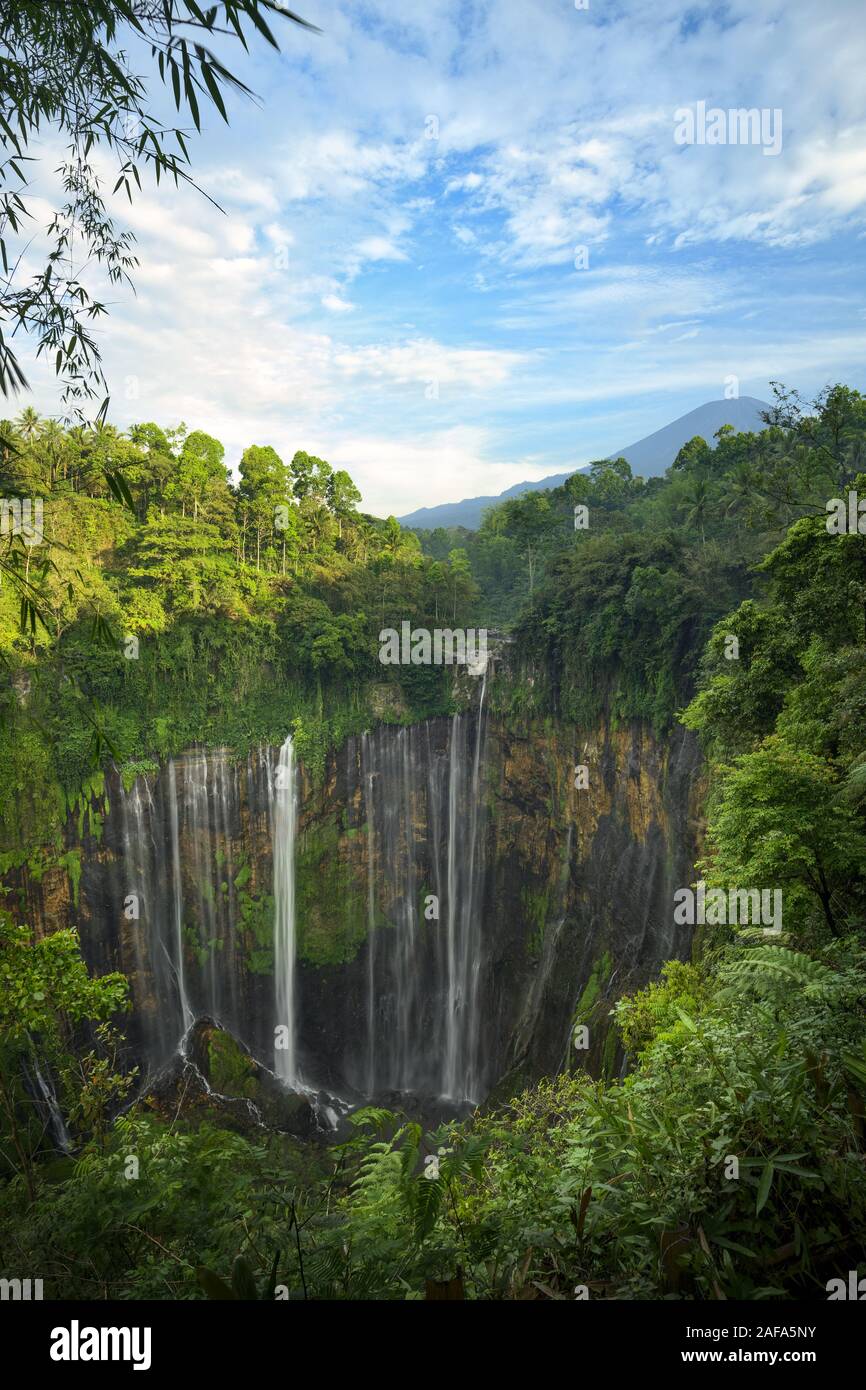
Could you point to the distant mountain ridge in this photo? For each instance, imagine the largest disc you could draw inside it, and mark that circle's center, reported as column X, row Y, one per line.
column 648, row 457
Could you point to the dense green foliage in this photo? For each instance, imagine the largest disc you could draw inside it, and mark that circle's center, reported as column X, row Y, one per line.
column 202, row 612
column 729, row 1161
column 616, row 610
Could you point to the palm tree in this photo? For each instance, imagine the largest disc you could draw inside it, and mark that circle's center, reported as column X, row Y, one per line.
column 52, row 439
column 741, row 488
column 696, row 498
column 27, row 423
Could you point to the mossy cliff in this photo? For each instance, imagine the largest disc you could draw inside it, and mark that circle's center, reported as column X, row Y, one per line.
column 573, row 878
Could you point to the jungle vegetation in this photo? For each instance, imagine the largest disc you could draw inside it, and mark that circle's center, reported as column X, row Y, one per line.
column 753, row 1050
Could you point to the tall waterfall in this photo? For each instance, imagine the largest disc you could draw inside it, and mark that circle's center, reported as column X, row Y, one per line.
column 383, row 919
column 367, row 776
column 421, row 798
column 206, row 852
column 284, row 823
column 46, row 1099
column 175, row 900
column 177, row 895
column 461, row 1073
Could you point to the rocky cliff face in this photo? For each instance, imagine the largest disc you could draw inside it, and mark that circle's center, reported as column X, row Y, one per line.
column 463, row 901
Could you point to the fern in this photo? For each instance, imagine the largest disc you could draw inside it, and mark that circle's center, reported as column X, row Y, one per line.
column 373, row 1117
column 854, row 1064
column 854, row 787
column 772, row 967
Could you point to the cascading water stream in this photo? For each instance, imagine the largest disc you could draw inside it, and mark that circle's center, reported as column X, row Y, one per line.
column 452, row 903
column 284, row 816
column 176, row 875
column 424, row 822
column 470, row 940
column 177, row 898
column 461, row 1073
column 195, row 850
column 47, row 1100
column 367, row 777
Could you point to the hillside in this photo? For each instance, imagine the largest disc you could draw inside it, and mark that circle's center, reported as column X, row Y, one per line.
column 649, row 457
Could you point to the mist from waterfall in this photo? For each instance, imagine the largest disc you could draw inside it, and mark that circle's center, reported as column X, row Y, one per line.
column 284, row 818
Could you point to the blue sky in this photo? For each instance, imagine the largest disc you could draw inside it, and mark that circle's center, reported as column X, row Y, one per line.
column 409, row 307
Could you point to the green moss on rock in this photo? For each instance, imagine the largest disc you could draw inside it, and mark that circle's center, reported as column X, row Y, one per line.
column 331, row 896
column 231, row 1070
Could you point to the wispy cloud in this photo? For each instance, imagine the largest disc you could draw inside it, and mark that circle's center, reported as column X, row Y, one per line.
column 395, row 279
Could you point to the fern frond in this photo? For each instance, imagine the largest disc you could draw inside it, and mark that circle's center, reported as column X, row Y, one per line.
column 853, row 789
column 778, row 965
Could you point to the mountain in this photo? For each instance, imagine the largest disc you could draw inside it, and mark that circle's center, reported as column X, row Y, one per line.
column 648, row 457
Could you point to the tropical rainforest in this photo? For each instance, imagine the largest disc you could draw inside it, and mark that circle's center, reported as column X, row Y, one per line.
column 712, row 1145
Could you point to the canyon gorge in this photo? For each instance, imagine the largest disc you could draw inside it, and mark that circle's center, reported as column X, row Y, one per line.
column 429, row 918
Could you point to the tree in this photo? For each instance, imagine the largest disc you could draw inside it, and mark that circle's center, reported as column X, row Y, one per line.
column 342, row 496
column 831, row 428
column 301, row 469
column 342, row 644
column 697, row 500
column 156, row 468
column 741, row 697
column 612, row 480
column 201, row 477
column 289, row 526
column 28, row 423
column 462, row 586
column 781, row 821
column 44, row 991
column 64, row 68
column 438, row 577
column 531, row 520
column 693, row 457
column 264, row 487
column 54, row 447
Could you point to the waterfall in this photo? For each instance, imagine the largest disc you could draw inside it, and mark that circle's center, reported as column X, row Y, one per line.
column 367, row 777
column 151, row 893
column 454, row 917
column 196, row 848
column 461, row 1079
column 177, row 898
column 46, row 1097
column 175, row 883
column 407, row 985
column 424, row 816
column 284, row 824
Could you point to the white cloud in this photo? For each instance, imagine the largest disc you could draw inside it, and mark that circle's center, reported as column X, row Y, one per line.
column 378, row 248
column 337, row 164
column 555, row 130
column 400, row 474
column 238, row 186
column 336, row 305
column 423, row 360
